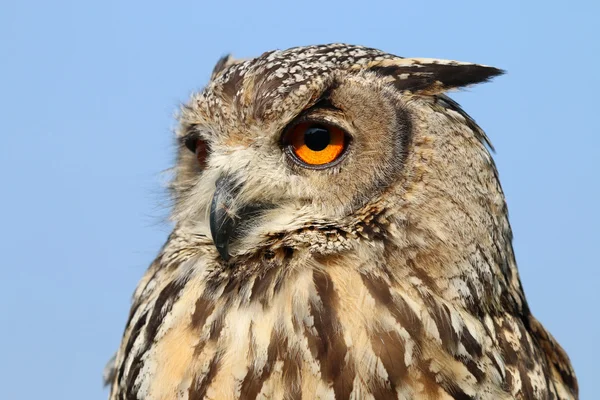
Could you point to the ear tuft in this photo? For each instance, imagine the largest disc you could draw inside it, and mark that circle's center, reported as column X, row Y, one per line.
column 431, row 76
column 222, row 64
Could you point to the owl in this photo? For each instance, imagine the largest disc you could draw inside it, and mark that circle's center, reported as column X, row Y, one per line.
column 340, row 232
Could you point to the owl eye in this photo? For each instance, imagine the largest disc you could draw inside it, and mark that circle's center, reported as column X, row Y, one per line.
column 201, row 152
column 200, row 148
column 315, row 144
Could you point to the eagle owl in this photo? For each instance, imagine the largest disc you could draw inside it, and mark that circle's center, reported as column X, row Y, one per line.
column 339, row 233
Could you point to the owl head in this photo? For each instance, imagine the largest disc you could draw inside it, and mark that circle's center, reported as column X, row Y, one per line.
column 297, row 143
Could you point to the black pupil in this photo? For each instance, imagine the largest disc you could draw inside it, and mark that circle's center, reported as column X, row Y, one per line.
column 317, row 138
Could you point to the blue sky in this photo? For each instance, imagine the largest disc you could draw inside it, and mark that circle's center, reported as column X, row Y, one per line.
column 88, row 91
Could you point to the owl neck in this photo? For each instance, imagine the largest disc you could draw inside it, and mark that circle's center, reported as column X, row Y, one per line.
column 415, row 256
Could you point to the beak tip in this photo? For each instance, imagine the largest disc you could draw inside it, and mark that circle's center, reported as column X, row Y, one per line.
column 223, row 252
column 221, row 236
column 221, row 223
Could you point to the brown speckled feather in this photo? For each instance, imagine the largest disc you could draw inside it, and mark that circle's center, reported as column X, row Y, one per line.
column 387, row 275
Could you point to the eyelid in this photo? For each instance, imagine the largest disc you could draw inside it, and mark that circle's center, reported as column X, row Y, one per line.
column 314, row 119
column 189, row 141
column 191, row 137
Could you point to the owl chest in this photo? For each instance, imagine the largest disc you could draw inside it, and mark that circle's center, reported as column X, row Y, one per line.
column 326, row 335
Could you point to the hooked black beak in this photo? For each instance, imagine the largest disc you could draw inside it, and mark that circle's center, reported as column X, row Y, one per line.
column 230, row 220
column 222, row 217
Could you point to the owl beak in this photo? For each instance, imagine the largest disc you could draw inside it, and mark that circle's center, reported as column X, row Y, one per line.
column 222, row 218
column 231, row 218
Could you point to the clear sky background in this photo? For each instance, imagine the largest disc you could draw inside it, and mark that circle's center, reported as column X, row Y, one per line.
column 87, row 94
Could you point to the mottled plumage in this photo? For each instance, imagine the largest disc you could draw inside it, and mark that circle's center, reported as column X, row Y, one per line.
column 386, row 274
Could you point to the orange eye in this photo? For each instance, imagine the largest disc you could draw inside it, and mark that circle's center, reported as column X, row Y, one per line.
column 316, row 144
